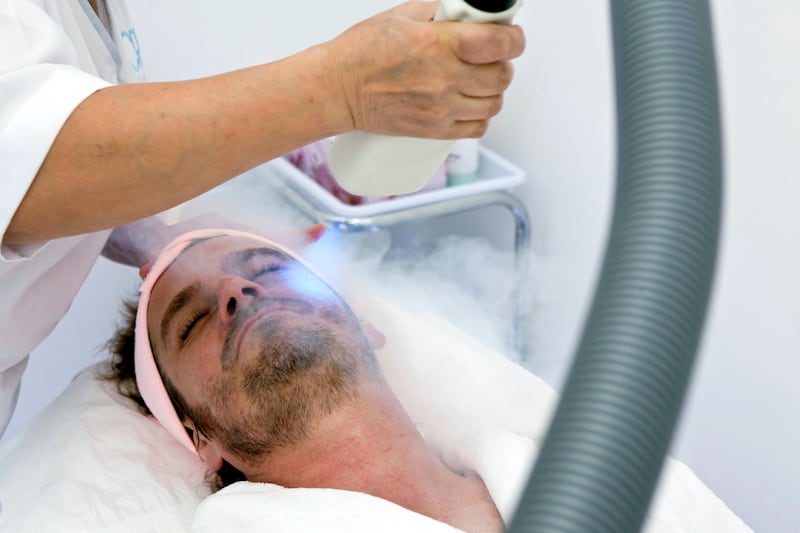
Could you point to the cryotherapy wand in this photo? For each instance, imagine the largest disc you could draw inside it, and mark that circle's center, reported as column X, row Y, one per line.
column 370, row 164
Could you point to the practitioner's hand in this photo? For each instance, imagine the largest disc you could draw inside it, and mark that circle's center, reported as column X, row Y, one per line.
column 402, row 74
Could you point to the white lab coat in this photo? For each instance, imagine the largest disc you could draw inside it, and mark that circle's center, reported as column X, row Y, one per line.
column 53, row 54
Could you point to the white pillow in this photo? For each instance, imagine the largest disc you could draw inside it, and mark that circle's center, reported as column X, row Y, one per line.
column 91, row 462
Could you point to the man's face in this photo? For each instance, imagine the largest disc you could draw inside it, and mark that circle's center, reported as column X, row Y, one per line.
column 258, row 346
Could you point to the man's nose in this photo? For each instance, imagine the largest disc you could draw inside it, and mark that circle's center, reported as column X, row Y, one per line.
column 233, row 293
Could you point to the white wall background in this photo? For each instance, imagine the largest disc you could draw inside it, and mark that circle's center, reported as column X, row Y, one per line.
column 740, row 431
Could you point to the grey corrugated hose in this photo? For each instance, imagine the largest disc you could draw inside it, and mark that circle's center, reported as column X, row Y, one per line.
column 602, row 456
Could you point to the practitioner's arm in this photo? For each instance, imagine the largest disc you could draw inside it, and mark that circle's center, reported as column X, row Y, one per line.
column 131, row 151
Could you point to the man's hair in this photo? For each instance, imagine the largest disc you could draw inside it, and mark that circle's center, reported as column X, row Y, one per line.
column 122, row 373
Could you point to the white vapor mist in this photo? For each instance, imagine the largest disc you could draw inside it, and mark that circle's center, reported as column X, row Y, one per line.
column 466, row 280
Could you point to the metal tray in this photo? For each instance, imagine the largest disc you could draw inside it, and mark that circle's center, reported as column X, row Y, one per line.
column 494, row 173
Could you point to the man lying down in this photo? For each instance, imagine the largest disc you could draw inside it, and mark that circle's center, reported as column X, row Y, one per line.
column 257, row 365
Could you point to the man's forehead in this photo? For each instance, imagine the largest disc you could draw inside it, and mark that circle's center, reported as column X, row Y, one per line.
column 223, row 244
column 225, row 250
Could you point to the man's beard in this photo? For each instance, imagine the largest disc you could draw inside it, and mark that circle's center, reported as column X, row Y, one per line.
column 296, row 379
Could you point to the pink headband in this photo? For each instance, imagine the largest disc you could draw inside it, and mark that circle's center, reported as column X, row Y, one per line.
column 148, row 379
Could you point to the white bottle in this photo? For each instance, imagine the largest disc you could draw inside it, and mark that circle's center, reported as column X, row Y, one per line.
column 369, row 164
column 463, row 162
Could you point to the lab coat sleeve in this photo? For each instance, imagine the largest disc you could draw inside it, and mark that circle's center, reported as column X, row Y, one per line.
column 41, row 84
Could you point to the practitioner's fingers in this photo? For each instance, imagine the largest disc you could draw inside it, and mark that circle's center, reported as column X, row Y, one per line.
column 486, row 43
column 145, row 269
column 298, row 237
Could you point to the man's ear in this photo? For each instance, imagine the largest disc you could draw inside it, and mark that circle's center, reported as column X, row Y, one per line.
column 376, row 339
column 207, row 450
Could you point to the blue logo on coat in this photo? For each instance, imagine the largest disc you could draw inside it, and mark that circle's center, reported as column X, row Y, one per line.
column 130, row 36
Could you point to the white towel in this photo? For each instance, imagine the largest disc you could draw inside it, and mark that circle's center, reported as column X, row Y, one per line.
column 260, row 507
